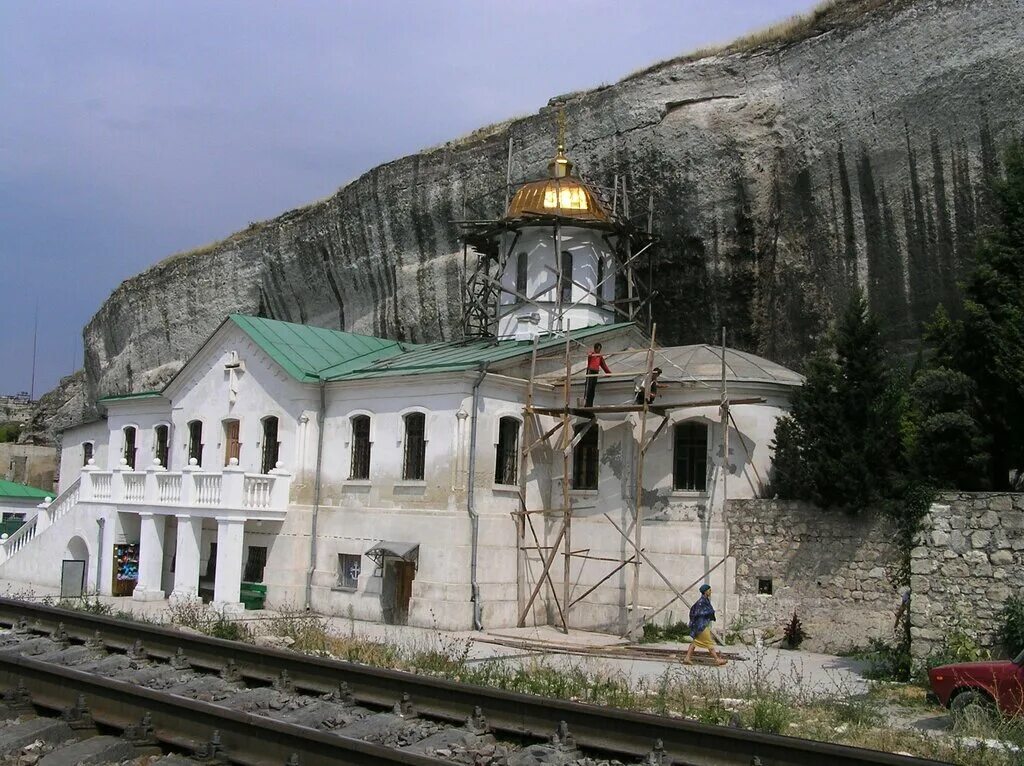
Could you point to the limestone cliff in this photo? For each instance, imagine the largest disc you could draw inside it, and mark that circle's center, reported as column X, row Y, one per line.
column 855, row 146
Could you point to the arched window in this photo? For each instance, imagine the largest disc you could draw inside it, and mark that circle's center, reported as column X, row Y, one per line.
column 195, row 441
column 690, row 456
column 232, row 444
column 506, row 455
column 87, row 452
column 415, row 455
column 271, row 445
column 129, row 446
column 360, row 468
column 565, row 278
column 162, row 439
column 522, row 265
column 585, row 457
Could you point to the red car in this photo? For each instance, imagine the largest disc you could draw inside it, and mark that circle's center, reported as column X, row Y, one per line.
column 966, row 684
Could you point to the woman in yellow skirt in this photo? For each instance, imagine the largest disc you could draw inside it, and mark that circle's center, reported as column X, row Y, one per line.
column 702, row 614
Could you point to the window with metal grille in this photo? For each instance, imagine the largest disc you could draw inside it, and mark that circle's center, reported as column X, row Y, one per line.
column 585, row 458
column 195, row 441
column 348, row 570
column 522, row 265
column 415, row 446
column 506, row 457
column 360, row 468
column 271, row 445
column 690, row 463
column 162, row 435
column 255, row 563
column 565, row 278
column 129, row 446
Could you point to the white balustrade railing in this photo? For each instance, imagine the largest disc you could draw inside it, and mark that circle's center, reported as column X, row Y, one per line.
column 22, row 537
column 208, row 486
column 65, row 501
column 168, row 488
column 257, row 491
column 134, row 487
column 189, row 487
column 102, row 482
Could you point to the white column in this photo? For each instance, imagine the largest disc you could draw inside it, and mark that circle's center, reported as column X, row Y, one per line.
column 186, row 558
column 151, row 557
column 228, row 583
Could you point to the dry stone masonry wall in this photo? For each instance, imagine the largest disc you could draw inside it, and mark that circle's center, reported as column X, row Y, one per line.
column 832, row 569
column 969, row 559
column 857, row 149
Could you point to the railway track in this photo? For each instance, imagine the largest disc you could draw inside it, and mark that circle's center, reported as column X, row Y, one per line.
column 453, row 712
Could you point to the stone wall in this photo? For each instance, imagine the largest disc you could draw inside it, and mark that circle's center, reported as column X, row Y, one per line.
column 831, row 568
column 968, row 561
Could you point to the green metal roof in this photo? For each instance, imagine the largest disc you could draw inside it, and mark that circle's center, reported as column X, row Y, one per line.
column 456, row 356
column 307, row 353
column 22, row 491
column 127, row 397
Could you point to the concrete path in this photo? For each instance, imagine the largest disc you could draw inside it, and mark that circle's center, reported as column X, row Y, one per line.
column 797, row 672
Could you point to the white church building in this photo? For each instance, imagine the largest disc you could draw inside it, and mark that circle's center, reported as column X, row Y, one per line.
column 366, row 477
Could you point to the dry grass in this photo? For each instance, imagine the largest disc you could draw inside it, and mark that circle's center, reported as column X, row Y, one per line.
column 830, row 14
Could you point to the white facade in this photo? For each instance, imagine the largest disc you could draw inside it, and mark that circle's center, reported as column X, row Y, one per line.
column 534, row 269
column 177, row 514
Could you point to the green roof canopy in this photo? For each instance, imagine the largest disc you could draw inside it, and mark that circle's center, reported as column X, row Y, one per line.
column 11, row 489
column 306, row 353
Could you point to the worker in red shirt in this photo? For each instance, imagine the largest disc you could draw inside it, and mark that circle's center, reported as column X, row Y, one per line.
column 595, row 363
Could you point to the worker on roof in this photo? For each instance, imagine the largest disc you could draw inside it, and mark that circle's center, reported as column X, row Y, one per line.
column 595, row 363
column 647, row 390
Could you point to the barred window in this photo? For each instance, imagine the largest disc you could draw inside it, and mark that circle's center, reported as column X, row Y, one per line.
column 690, row 460
column 195, row 441
column 255, row 564
column 348, row 571
column 506, row 458
column 360, row 468
column 129, row 446
column 415, row 446
column 565, row 278
column 162, row 433
column 585, row 458
column 522, row 264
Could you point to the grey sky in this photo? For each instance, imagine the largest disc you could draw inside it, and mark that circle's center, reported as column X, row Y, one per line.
column 132, row 130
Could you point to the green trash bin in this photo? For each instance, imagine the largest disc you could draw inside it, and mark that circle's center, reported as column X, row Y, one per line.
column 253, row 595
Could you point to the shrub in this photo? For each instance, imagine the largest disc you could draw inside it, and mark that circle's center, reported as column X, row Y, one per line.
column 1011, row 625
column 887, row 662
column 794, row 634
column 771, row 715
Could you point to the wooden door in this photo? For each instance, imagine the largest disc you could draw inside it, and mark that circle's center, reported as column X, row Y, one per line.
column 232, row 447
column 405, row 572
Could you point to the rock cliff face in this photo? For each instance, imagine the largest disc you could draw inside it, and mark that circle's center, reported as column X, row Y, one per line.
column 855, row 148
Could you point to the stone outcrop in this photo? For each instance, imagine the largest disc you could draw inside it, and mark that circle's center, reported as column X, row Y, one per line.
column 968, row 561
column 854, row 148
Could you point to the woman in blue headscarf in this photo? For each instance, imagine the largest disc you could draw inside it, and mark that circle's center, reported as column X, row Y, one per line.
column 702, row 614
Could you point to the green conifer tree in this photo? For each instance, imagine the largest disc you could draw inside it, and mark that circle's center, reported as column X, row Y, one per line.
column 841, row 445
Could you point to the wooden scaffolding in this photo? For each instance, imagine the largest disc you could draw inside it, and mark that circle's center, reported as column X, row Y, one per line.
column 563, row 437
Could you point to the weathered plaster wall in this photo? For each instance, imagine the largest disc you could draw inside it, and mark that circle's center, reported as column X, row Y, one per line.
column 781, row 176
column 831, row 569
column 30, row 464
column 968, row 561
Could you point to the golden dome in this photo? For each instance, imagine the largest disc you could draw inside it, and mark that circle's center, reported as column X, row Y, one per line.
column 560, row 195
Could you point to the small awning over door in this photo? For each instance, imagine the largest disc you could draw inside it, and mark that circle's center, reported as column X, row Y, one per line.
column 405, row 551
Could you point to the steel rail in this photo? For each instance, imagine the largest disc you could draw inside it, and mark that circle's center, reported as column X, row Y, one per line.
column 247, row 739
column 602, row 728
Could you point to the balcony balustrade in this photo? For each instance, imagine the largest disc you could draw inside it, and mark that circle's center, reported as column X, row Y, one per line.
column 228, row 491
